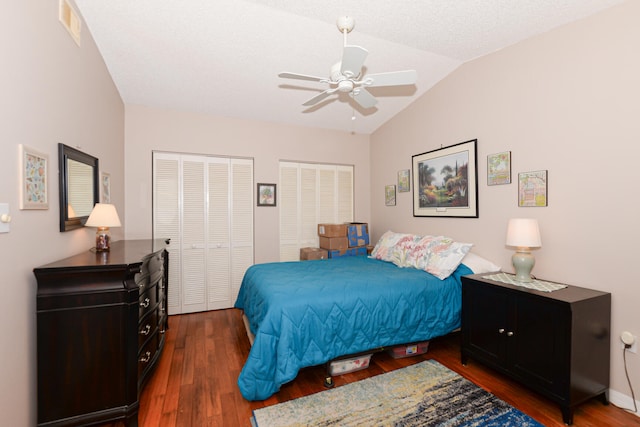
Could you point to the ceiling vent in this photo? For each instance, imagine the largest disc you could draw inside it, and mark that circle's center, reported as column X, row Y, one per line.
column 70, row 20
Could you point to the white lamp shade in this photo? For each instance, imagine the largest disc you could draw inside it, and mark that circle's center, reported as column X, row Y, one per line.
column 103, row 215
column 523, row 233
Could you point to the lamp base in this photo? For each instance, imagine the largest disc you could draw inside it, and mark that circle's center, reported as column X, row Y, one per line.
column 103, row 239
column 523, row 263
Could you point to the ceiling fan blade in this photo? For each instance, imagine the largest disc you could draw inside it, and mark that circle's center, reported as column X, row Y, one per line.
column 364, row 98
column 286, row 75
column 352, row 60
column 394, row 78
column 319, row 97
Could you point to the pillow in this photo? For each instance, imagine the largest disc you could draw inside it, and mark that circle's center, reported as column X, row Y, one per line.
column 422, row 249
column 445, row 255
column 384, row 248
column 400, row 252
column 478, row 265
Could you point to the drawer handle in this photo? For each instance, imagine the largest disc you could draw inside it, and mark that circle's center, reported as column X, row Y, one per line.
column 509, row 334
column 501, row 331
column 146, row 330
column 146, row 357
column 162, row 331
column 145, row 303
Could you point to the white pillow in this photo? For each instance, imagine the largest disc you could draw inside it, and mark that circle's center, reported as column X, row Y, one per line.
column 478, row 265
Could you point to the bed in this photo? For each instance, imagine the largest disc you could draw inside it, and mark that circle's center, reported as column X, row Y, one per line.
column 311, row 312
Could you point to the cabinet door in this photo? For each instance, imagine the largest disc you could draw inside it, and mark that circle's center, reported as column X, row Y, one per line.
column 538, row 348
column 484, row 321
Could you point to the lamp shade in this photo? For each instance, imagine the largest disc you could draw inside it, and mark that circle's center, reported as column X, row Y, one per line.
column 523, row 233
column 103, row 215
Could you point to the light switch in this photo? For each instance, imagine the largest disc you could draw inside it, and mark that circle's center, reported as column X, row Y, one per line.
column 5, row 218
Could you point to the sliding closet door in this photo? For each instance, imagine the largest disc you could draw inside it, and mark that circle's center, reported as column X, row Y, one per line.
column 206, row 202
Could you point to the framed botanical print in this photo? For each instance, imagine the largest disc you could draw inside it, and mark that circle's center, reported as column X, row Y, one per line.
column 34, row 181
column 266, row 194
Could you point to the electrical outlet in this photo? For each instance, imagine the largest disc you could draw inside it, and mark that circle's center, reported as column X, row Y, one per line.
column 629, row 339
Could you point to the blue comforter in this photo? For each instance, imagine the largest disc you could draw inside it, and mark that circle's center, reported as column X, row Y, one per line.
column 307, row 313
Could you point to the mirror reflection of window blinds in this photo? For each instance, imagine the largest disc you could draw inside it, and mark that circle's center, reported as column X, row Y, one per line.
column 79, row 188
column 311, row 194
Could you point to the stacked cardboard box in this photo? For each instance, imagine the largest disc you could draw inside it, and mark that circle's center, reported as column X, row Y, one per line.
column 313, row 253
column 344, row 239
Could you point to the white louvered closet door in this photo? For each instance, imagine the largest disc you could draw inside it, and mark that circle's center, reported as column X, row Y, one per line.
column 167, row 219
column 211, row 212
column 311, row 194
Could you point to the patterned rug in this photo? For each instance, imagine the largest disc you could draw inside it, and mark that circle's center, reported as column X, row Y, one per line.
column 424, row 394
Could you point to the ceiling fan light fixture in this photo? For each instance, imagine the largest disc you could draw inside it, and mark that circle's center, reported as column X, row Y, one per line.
column 345, row 86
column 344, row 75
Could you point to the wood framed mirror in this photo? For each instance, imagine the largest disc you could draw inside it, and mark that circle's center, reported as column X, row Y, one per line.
column 79, row 186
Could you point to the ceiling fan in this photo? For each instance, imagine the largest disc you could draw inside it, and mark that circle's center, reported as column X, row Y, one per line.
column 346, row 75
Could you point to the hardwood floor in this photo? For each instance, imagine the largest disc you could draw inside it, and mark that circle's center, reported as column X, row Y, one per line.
column 195, row 381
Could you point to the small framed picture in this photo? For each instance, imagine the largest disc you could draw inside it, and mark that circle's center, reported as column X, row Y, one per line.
column 267, row 195
column 390, row 195
column 403, row 181
column 105, row 186
column 532, row 188
column 34, row 179
column 499, row 168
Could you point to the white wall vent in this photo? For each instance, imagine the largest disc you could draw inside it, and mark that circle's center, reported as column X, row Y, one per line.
column 70, row 20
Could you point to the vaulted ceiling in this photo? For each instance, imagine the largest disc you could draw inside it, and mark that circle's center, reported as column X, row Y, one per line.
column 223, row 57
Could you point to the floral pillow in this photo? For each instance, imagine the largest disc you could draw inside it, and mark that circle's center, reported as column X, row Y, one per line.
column 445, row 256
column 400, row 252
column 384, row 248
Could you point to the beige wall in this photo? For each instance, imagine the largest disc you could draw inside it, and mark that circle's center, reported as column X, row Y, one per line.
column 52, row 91
column 149, row 129
column 566, row 101
column 563, row 102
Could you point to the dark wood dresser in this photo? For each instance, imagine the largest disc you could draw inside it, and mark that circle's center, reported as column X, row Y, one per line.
column 556, row 343
column 101, row 319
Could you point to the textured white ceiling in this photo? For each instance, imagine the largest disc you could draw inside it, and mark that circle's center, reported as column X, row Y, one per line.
column 223, row 56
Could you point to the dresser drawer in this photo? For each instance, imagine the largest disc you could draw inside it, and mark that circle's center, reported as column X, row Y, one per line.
column 147, row 326
column 147, row 354
column 147, row 301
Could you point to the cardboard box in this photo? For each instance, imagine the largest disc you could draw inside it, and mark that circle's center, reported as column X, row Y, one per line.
column 313, row 253
column 348, row 252
column 358, row 234
column 334, row 243
column 344, row 366
column 332, row 230
column 409, row 350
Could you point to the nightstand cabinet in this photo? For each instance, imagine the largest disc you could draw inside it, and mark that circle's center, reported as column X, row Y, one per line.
column 101, row 319
column 556, row 343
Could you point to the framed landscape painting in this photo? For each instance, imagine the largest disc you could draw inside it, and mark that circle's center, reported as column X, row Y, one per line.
column 445, row 181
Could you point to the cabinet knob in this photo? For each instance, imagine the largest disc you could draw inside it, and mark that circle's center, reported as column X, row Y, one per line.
column 145, row 303
column 501, row 331
column 146, row 330
column 509, row 334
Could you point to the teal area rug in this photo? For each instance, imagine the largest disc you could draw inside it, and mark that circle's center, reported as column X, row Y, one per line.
column 424, row 394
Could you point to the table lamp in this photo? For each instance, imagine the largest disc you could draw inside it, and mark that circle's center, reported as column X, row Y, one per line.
column 524, row 234
column 103, row 216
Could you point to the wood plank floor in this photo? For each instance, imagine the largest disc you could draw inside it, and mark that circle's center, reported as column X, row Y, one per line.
column 195, row 381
